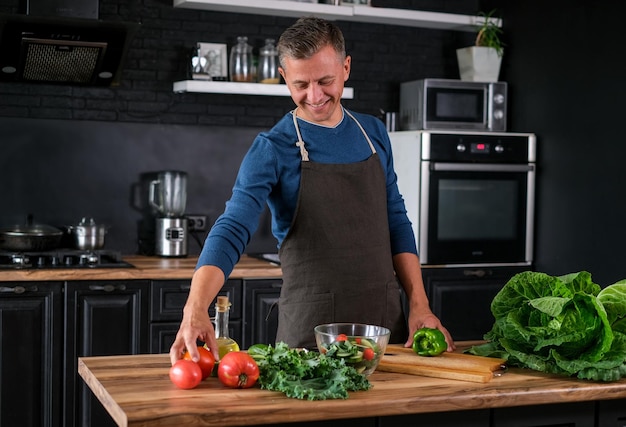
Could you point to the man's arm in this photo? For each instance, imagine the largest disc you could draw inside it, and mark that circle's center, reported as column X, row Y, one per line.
column 196, row 324
column 409, row 274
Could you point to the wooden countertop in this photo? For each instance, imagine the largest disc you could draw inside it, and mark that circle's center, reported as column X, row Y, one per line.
column 145, row 267
column 136, row 391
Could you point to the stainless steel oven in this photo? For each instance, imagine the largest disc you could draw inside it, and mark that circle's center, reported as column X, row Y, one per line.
column 469, row 195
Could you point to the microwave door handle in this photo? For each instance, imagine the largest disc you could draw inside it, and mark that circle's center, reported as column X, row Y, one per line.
column 481, row 167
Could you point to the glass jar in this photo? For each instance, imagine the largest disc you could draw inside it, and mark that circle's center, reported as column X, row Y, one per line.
column 241, row 61
column 268, row 63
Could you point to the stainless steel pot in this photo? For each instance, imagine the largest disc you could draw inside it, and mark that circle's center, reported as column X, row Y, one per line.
column 87, row 235
column 30, row 237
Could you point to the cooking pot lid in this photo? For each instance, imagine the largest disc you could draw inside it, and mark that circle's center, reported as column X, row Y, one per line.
column 32, row 230
column 86, row 222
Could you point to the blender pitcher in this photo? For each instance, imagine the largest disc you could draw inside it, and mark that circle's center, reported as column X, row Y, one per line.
column 168, row 193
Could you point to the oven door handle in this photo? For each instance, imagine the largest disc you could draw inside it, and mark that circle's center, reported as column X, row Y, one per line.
column 481, row 167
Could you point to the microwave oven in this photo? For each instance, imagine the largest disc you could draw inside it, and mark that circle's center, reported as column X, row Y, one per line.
column 453, row 104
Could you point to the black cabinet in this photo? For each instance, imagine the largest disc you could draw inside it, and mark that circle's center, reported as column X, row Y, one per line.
column 346, row 422
column 31, row 351
column 166, row 311
column 577, row 414
column 461, row 297
column 472, row 418
column 253, row 315
column 103, row 318
column 611, row 413
column 43, row 332
column 260, row 316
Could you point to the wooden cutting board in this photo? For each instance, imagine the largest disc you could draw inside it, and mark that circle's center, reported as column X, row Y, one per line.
column 456, row 366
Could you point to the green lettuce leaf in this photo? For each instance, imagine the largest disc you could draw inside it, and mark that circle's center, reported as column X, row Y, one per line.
column 613, row 298
column 306, row 375
column 565, row 325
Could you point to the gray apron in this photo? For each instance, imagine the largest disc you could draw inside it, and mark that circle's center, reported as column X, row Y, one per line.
column 336, row 258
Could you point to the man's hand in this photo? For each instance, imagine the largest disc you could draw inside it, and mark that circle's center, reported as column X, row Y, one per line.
column 196, row 325
column 426, row 319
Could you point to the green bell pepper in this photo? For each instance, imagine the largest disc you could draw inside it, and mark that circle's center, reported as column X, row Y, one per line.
column 429, row 342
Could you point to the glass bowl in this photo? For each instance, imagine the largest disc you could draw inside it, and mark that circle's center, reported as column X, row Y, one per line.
column 359, row 345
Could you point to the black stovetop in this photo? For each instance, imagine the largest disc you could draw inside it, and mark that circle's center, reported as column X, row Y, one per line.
column 62, row 258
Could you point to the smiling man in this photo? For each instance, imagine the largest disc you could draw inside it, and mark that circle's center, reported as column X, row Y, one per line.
column 326, row 173
column 315, row 71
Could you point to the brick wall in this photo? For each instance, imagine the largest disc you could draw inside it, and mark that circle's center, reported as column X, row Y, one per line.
column 383, row 56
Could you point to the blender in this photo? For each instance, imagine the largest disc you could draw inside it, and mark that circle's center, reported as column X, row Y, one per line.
column 168, row 195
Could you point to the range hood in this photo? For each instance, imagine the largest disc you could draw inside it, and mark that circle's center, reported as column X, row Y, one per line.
column 63, row 42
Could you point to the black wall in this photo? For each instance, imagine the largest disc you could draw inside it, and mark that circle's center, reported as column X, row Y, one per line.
column 60, row 171
column 567, row 72
column 68, row 151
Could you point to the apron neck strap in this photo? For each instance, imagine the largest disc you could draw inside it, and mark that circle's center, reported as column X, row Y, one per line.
column 303, row 153
column 362, row 130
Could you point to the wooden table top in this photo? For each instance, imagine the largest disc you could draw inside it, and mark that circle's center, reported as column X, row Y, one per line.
column 136, row 391
column 146, row 267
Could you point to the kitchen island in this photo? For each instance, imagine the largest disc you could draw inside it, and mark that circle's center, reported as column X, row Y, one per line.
column 136, row 391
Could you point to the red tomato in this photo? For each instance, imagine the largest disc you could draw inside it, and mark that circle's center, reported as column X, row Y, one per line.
column 357, row 340
column 206, row 362
column 238, row 369
column 341, row 338
column 368, row 354
column 185, row 374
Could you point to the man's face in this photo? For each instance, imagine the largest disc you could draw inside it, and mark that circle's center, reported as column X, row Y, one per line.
column 316, row 85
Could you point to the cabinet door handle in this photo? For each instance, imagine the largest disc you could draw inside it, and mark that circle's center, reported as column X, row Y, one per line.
column 17, row 290
column 185, row 287
column 107, row 288
column 477, row 273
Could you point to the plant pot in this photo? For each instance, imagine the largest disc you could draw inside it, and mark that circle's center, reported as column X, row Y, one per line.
column 478, row 64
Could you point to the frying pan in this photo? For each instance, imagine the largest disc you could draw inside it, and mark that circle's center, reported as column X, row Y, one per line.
column 30, row 237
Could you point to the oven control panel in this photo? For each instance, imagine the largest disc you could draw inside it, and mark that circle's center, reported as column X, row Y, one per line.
column 480, row 148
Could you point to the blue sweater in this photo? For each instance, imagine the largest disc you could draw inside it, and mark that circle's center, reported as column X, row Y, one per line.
column 270, row 173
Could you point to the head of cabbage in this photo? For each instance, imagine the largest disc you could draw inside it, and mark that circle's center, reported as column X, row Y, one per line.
column 565, row 325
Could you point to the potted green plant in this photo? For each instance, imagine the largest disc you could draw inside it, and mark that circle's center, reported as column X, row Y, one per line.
column 481, row 62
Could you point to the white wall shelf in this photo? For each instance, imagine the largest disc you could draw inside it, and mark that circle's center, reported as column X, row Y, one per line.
column 235, row 88
column 356, row 13
column 284, row 8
